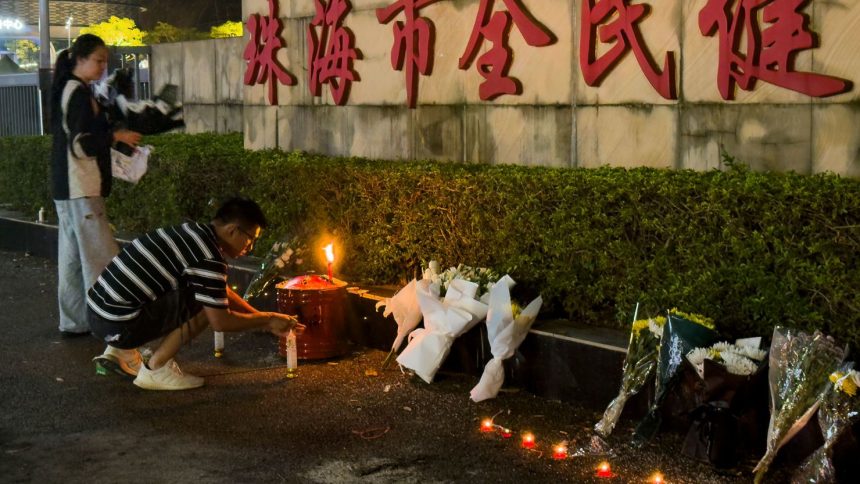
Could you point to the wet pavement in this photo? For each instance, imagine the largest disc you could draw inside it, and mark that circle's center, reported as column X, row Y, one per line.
column 344, row 420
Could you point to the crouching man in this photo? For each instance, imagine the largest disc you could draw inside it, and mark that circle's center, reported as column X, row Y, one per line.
column 171, row 283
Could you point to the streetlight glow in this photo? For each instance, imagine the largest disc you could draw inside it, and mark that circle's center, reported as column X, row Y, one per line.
column 69, row 30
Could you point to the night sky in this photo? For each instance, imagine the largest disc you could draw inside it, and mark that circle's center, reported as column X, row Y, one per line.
column 201, row 14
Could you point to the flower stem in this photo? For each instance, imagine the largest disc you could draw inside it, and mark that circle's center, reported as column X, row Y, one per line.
column 387, row 360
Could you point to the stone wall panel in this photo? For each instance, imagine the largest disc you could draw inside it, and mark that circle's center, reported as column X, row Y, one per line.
column 836, row 139
column 626, row 137
column 521, row 135
column 200, row 118
column 229, row 118
column 168, row 67
column 261, row 127
column 199, row 79
column 755, row 135
column 230, row 69
column 438, row 133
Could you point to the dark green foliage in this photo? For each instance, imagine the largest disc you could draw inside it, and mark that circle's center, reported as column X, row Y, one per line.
column 749, row 249
column 25, row 182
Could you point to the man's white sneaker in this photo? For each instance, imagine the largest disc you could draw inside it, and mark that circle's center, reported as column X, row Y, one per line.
column 168, row 377
column 123, row 362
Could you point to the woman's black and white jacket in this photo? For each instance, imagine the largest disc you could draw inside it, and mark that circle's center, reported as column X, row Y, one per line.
column 80, row 159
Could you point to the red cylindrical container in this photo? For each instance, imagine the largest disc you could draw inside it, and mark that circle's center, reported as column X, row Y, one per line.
column 320, row 306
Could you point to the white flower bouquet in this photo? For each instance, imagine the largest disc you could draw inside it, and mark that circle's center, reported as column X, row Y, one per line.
column 742, row 358
column 728, row 397
column 407, row 312
column 507, row 327
column 285, row 259
column 404, row 308
column 450, row 305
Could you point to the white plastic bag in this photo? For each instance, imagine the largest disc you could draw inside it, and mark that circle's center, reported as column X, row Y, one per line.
column 130, row 168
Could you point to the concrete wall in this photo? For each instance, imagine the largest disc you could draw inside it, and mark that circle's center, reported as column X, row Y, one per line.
column 558, row 120
column 209, row 76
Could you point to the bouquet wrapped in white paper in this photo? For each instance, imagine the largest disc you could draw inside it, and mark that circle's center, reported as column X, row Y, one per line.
column 505, row 331
column 444, row 320
column 404, row 308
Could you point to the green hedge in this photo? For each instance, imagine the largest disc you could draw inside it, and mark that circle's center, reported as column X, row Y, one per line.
column 751, row 250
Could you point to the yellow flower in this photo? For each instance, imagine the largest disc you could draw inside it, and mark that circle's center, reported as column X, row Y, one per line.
column 640, row 325
column 516, row 310
column 696, row 318
column 843, row 383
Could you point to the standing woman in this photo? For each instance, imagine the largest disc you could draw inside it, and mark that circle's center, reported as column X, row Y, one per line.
column 81, row 176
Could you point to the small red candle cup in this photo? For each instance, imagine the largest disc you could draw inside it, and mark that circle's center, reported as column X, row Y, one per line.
column 506, row 433
column 528, row 440
column 559, row 452
column 487, row 425
column 604, row 470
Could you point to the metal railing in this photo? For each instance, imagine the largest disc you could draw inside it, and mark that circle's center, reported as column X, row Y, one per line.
column 20, row 105
column 20, row 98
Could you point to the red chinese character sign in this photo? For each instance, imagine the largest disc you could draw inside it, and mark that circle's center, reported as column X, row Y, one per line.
column 616, row 22
column 331, row 50
column 262, row 50
column 413, row 42
column 495, row 63
column 770, row 52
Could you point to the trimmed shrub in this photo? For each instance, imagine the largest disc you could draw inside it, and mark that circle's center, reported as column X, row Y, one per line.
column 751, row 250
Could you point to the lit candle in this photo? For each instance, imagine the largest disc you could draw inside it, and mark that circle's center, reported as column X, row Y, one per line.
column 487, row 425
column 604, row 470
column 657, row 478
column 528, row 440
column 559, row 452
column 329, row 255
column 506, row 433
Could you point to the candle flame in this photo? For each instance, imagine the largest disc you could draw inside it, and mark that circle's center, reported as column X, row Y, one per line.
column 329, row 252
column 657, row 478
column 603, row 467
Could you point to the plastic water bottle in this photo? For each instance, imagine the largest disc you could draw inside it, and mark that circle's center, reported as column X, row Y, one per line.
column 292, row 356
column 219, row 344
column 41, row 215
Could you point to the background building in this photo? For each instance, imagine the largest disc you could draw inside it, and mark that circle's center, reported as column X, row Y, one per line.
column 19, row 21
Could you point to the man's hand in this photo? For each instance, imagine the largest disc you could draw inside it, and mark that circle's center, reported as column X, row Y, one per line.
column 283, row 323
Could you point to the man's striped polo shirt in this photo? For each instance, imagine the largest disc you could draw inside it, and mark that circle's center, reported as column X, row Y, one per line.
column 181, row 257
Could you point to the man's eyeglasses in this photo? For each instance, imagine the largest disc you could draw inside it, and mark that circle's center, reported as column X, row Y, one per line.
column 251, row 237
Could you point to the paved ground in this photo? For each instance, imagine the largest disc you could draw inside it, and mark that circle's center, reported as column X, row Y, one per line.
column 336, row 422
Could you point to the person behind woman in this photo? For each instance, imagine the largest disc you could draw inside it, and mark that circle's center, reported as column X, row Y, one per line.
column 81, row 177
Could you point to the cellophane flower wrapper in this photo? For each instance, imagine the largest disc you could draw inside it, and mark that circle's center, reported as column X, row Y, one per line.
column 800, row 365
column 838, row 412
column 639, row 364
column 444, row 320
column 405, row 310
column 680, row 336
column 283, row 260
column 505, row 333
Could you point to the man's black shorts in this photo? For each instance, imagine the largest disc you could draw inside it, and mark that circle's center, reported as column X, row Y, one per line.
column 155, row 320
